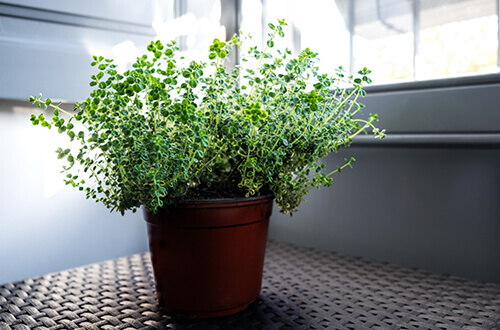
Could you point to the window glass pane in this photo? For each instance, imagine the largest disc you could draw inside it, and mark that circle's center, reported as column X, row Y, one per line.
column 192, row 23
column 319, row 25
column 383, row 39
column 425, row 39
column 252, row 20
column 324, row 29
column 457, row 37
column 399, row 40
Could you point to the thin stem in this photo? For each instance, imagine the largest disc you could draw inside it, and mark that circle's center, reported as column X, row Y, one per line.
column 339, row 169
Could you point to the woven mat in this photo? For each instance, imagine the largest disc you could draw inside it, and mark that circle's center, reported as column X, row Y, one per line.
column 302, row 289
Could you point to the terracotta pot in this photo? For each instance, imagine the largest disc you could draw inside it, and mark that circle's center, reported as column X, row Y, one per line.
column 208, row 256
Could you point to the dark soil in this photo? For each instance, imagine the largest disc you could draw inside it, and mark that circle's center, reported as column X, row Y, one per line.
column 218, row 190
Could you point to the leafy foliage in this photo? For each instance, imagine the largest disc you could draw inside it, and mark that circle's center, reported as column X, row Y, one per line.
column 161, row 130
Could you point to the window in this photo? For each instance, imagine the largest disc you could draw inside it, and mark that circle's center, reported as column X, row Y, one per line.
column 399, row 40
column 317, row 24
column 47, row 46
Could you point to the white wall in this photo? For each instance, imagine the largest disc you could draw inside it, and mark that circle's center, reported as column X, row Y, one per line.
column 46, row 226
column 47, row 47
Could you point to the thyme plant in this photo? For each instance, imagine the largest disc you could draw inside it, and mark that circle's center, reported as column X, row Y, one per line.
column 163, row 132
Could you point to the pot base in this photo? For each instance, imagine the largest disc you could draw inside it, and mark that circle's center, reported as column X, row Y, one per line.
column 198, row 315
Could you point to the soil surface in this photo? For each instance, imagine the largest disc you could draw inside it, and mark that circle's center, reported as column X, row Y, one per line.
column 218, row 191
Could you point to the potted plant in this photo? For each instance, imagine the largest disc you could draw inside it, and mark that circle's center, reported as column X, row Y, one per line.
column 204, row 150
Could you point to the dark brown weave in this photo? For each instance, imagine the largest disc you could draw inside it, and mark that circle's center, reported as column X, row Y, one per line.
column 302, row 289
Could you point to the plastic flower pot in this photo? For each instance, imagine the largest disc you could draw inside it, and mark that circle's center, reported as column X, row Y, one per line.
column 208, row 256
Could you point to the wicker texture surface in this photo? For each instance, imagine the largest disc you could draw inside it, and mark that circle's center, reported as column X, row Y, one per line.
column 302, row 289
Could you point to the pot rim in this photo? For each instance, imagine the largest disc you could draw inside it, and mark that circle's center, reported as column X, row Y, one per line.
column 215, row 203
column 226, row 200
column 223, row 202
column 187, row 215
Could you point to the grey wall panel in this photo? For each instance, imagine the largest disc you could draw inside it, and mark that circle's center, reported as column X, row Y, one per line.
column 46, row 226
column 468, row 109
column 47, row 47
column 124, row 11
column 427, row 196
column 431, row 208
